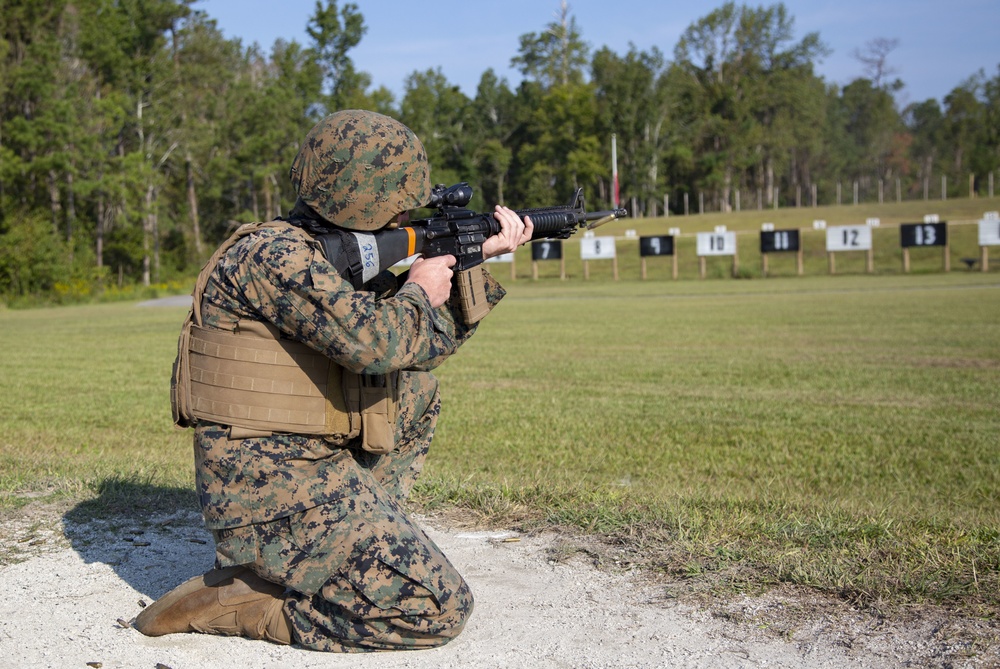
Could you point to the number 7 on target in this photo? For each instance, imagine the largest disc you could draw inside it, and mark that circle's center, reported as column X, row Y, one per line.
column 547, row 249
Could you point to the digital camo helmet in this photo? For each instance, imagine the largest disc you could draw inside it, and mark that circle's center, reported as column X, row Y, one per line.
column 357, row 169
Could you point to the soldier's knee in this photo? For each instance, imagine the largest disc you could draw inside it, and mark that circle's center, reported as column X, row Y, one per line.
column 462, row 602
column 456, row 608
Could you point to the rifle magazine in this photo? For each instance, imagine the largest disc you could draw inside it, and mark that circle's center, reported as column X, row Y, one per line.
column 472, row 294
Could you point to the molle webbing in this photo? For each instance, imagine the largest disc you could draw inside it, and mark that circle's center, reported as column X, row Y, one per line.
column 258, row 383
column 253, row 379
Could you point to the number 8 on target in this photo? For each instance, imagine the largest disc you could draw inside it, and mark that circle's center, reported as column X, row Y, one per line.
column 598, row 248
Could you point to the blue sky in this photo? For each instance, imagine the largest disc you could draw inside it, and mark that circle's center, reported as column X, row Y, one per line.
column 940, row 43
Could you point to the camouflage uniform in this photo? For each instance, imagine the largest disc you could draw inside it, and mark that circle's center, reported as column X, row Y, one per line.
column 325, row 521
column 323, row 518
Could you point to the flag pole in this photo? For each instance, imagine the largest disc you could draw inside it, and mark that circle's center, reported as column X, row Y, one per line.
column 614, row 170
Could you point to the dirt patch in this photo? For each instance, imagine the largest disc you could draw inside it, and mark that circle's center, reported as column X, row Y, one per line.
column 73, row 588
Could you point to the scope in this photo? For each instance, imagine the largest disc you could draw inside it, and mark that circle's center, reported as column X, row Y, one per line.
column 458, row 195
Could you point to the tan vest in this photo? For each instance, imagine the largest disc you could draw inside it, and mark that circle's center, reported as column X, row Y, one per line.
column 259, row 384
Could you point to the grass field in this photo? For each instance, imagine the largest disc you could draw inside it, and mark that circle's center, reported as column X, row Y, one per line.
column 837, row 432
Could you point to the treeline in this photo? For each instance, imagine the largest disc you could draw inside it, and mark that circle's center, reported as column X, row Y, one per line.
column 134, row 136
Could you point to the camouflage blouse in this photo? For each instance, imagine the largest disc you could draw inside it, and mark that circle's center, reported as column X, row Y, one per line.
column 280, row 275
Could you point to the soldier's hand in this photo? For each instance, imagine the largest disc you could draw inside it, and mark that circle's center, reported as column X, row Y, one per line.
column 513, row 233
column 434, row 276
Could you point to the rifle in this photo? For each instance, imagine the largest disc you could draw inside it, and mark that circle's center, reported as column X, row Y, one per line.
column 453, row 230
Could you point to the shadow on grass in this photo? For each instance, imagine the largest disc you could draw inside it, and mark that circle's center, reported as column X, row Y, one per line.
column 152, row 536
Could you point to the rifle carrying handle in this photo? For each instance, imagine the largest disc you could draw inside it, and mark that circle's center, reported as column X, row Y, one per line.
column 472, row 294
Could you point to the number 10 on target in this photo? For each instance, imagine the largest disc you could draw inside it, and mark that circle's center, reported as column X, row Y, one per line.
column 718, row 243
column 989, row 235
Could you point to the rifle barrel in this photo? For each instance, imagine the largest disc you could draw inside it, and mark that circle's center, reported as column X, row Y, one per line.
column 562, row 224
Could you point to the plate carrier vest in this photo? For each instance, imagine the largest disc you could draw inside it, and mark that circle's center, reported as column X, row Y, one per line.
column 258, row 383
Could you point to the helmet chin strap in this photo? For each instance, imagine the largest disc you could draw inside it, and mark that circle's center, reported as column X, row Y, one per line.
column 303, row 216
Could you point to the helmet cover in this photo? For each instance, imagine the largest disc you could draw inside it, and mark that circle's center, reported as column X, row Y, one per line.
column 357, row 169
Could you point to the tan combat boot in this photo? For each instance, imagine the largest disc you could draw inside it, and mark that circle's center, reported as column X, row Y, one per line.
column 231, row 602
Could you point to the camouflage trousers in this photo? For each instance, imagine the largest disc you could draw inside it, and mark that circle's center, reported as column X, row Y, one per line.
column 361, row 575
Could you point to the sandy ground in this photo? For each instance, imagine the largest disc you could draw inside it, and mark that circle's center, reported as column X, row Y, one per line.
column 69, row 601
